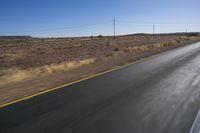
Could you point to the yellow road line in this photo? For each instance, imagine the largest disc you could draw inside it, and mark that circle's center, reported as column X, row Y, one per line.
column 77, row 81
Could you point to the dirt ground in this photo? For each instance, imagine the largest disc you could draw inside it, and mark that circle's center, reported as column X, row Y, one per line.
column 28, row 66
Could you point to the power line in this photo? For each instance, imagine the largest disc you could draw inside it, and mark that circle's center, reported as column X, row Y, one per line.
column 67, row 28
column 158, row 23
column 113, row 24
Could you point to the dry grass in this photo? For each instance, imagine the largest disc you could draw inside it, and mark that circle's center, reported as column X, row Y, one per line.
column 11, row 56
column 147, row 47
column 17, row 75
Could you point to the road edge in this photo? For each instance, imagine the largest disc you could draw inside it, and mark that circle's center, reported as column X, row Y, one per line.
column 93, row 76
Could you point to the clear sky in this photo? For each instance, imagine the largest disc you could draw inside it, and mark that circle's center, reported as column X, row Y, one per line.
column 58, row 18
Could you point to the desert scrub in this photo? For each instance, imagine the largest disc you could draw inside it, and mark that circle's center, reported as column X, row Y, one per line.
column 147, row 47
column 178, row 41
column 116, row 49
column 136, row 48
column 167, row 43
column 109, row 55
column 11, row 56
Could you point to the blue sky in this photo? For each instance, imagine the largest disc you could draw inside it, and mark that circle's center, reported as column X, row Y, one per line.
column 58, row 18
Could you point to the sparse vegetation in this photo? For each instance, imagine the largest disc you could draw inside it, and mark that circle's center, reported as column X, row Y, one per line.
column 25, row 61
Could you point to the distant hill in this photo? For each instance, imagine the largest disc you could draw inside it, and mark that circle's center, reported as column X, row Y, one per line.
column 16, row 37
column 176, row 34
column 184, row 33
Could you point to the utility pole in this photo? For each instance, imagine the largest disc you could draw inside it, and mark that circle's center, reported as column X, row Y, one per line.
column 154, row 26
column 186, row 28
column 114, row 21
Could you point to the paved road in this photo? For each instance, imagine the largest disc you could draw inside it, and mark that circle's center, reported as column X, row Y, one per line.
column 161, row 95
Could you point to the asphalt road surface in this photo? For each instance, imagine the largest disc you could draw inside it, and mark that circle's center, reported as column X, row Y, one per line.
column 160, row 95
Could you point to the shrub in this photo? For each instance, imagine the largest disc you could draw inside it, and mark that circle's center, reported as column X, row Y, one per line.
column 167, row 43
column 109, row 55
column 116, row 49
column 193, row 34
column 99, row 36
column 178, row 41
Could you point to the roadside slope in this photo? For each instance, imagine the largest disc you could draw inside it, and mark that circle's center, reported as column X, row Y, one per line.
column 34, row 66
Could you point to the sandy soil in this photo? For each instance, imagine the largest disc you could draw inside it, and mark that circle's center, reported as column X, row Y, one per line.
column 28, row 66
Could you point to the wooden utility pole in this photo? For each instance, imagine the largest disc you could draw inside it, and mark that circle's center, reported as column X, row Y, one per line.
column 114, row 21
column 154, row 26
